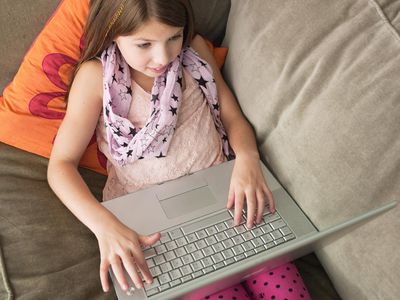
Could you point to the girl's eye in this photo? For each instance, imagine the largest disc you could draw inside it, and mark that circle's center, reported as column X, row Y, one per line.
column 176, row 37
column 144, row 45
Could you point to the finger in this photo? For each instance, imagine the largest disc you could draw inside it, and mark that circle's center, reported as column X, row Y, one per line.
column 251, row 208
column 130, row 267
column 260, row 205
column 239, row 199
column 141, row 261
column 271, row 201
column 104, row 275
column 119, row 273
column 148, row 240
column 143, row 267
column 231, row 198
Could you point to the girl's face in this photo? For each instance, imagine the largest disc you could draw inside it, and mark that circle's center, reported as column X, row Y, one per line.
column 151, row 48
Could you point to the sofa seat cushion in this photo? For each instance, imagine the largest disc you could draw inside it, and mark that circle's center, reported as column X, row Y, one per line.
column 318, row 80
column 46, row 252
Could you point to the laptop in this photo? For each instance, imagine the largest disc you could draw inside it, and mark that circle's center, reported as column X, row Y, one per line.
column 200, row 251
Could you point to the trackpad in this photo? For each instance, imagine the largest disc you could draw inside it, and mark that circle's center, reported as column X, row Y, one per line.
column 187, row 202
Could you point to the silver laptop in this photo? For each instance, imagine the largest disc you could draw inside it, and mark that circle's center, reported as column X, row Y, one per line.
column 200, row 251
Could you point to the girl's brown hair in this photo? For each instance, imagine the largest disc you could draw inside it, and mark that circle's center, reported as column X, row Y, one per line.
column 109, row 19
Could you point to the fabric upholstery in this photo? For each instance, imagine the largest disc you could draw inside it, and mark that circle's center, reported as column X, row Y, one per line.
column 325, row 106
column 47, row 253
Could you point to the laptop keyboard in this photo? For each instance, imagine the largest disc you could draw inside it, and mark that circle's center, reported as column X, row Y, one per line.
column 212, row 243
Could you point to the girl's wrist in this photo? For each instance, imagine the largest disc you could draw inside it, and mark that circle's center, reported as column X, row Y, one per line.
column 246, row 155
column 102, row 222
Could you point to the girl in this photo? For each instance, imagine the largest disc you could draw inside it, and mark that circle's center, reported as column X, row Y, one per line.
column 160, row 108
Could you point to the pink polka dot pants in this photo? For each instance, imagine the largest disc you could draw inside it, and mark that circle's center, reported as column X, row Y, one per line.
column 281, row 283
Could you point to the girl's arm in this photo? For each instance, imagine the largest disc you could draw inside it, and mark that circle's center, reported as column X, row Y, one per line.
column 117, row 243
column 247, row 181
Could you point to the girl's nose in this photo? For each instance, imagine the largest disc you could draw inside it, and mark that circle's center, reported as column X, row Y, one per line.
column 162, row 56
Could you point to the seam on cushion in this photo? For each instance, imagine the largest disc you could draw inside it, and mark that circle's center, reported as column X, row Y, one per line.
column 3, row 276
column 383, row 16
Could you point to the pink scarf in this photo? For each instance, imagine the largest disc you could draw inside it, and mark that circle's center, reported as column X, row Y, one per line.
column 127, row 143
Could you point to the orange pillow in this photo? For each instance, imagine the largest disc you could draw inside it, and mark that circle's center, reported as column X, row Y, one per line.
column 32, row 107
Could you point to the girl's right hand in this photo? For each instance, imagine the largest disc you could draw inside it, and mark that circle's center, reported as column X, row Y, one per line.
column 120, row 248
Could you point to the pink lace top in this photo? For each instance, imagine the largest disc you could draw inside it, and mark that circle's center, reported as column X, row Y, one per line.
column 195, row 145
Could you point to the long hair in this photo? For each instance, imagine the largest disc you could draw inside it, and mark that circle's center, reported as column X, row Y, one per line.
column 109, row 19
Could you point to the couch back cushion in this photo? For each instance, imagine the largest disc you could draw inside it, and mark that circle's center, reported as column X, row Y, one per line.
column 33, row 105
column 324, row 101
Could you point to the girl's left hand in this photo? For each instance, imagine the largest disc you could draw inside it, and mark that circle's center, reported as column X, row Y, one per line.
column 248, row 183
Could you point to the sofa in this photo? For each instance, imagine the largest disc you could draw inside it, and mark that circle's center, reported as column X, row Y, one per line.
column 317, row 79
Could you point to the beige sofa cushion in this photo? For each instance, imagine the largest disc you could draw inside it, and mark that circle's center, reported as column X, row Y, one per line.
column 319, row 82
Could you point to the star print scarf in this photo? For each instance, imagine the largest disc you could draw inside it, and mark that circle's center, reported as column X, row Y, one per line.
column 127, row 143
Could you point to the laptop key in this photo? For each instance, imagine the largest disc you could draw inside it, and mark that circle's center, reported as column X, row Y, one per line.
column 290, row 237
column 257, row 232
column 164, row 287
column 217, row 258
column 175, row 282
column 228, row 253
column 250, row 253
column 180, row 252
column 158, row 260
column 240, row 257
column 237, row 249
column 197, row 274
column 164, row 278
column 170, row 255
column 201, row 234
column 207, row 261
column 247, row 236
column 211, row 230
column 160, row 249
column 152, row 292
column 148, row 253
column 211, row 240
column 177, row 263
column 186, row 278
column 164, row 237
column 197, row 255
column 175, row 274
column 208, row 251
column 187, row 259
column 185, row 270
column 174, row 234
column 267, row 238
column 229, row 261
column 285, row 230
column 155, row 271
column 257, row 242
column 181, row 241
column 228, row 243
column 218, row 247
column 276, row 234
column 166, row 267
column 219, row 265
column 196, row 266
column 240, row 229
column 278, row 224
column 238, row 240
